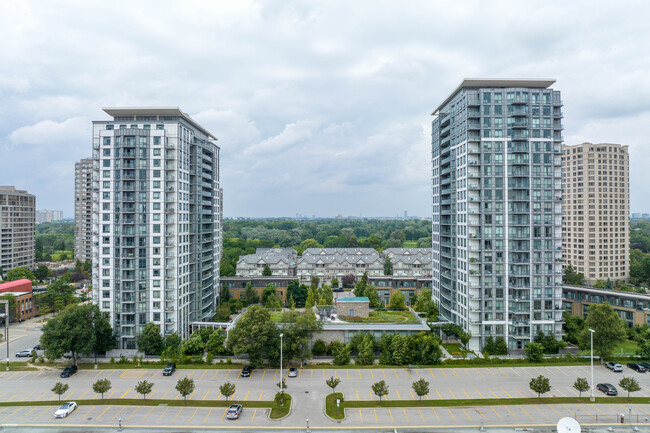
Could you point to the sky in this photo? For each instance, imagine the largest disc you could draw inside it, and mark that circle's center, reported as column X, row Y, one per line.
column 320, row 107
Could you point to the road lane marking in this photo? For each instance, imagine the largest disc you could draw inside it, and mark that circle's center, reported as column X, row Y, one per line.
column 15, row 395
column 179, row 412
column 436, row 413
column 210, row 411
column 511, row 413
column 97, row 375
column 132, row 413
column 100, row 415
column 522, row 408
column 119, row 412
column 479, row 392
column 452, row 415
column 163, row 414
column 496, row 413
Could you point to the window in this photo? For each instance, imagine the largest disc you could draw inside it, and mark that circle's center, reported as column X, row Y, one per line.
column 106, row 173
column 107, row 141
column 107, row 152
column 156, row 140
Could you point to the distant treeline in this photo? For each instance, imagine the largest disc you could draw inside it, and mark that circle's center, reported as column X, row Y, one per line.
column 243, row 237
column 54, row 239
column 640, row 252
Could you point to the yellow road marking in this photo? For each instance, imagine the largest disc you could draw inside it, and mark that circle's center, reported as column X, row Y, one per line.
column 145, row 417
column 222, row 415
column 100, row 415
column 42, row 413
column 111, row 374
column 454, row 370
column 495, row 396
column 452, row 415
column 439, row 394
column 336, row 374
column 164, row 412
column 83, row 395
column 13, row 413
column 33, row 409
column 42, row 395
column 179, row 412
column 203, row 374
column 466, row 414
column 407, row 373
column 505, row 392
column 27, row 396
column 132, row 413
column 227, row 373
column 555, row 410
column 412, row 396
column 421, row 416
column 233, row 395
column 254, row 413
column 504, row 373
column 490, row 370
column 357, row 394
column 641, row 409
column 210, row 411
column 165, row 394
column 558, row 390
column 124, row 395
column 384, row 373
column 260, row 399
column 360, row 416
column 511, row 413
column 246, row 398
column 371, row 397
column 479, row 372
column 311, row 376
column 217, row 372
column 550, row 371
column 432, row 375
column 348, row 373
column 194, row 371
column 443, row 372
column 407, row 417
column 87, row 373
column 467, row 372
column 540, row 411
column 359, row 370
column 522, row 408
column 496, row 413
column 391, row 416
column 515, row 371
column 466, row 393
column 479, row 411
column 120, row 411
column 398, row 396
column 15, row 395
column 154, row 375
column 376, row 419
column 372, row 375
column 97, row 375
column 452, row 393
column 520, row 393
column 299, row 374
column 479, row 392
column 206, row 394
column 436, row 413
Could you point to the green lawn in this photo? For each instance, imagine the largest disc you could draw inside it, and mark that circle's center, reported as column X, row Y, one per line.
column 56, row 256
column 410, row 244
column 385, row 317
column 628, row 346
column 330, row 406
column 453, row 348
column 277, row 316
column 281, row 411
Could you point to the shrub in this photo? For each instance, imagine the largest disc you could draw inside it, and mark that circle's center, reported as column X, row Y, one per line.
column 319, row 348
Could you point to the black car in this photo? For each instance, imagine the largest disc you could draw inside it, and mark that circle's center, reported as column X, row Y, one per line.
column 607, row 388
column 246, row 371
column 645, row 364
column 37, row 347
column 69, row 371
column 637, row 367
column 171, row 367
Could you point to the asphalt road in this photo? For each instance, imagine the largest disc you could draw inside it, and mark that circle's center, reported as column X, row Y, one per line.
column 309, row 390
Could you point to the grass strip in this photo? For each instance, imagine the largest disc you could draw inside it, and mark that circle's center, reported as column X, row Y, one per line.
column 330, row 406
column 116, row 366
column 278, row 411
column 489, row 402
column 147, row 402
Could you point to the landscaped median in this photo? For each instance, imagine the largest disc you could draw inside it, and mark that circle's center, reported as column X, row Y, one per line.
column 277, row 411
column 331, row 410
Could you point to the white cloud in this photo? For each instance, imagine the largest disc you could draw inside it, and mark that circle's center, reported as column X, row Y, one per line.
column 49, row 131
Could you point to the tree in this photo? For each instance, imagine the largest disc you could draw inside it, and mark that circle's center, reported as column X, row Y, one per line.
column 298, row 292
column 216, row 343
column 534, row 352
column 335, row 283
column 581, row 385
column 254, row 334
column 311, row 298
column 60, row 389
column 266, row 272
column 500, row 347
column 19, row 274
column 609, row 285
column 298, row 334
column 360, row 287
column 102, row 386
column 42, row 272
column 193, row 345
column 282, row 384
column 610, row 329
column 572, row 277
column 78, row 329
column 150, row 341
column 540, row 384
column 319, row 348
column 425, row 304
column 366, row 355
column 227, row 389
column 269, row 291
column 342, row 355
column 388, row 268
column 308, row 243
column 250, row 295
column 348, row 281
column 380, row 389
column 333, row 382
column 144, row 387
column 629, row 384
column 185, row 386
column 373, row 296
column 421, row 387
column 173, row 342
column 397, row 300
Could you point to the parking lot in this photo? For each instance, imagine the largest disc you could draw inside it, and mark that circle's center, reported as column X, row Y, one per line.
column 309, row 390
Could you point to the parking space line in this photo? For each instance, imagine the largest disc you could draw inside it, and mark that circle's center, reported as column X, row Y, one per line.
column 515, row 371
column 479, row 392
column 12, row 413
column 87, row 373
column 442, row 370
column 100, row 415
column 440, row 396
column 119, row 412
column 227, row 373
column 479, row 372
column 615, row 411
column 490, row 370
column 412, row 396
column 111, row 374
column 540, row 411
column 467, row 415
column 165, row 394
column 520, row 393
column 452, row 393
column 33, row 409
column 210, row 411
column 504, row 373
column 357, row 394
column 552, row 408
column 550, row 371
column 194, row 371
column 641, row 409
column 391, row 416
column 41, row 414
column 506, row 392
column 41, row 396
column 133, row 413
column 127, row 391
column 371, row 397
column 372, row 375
column 421, row 416
column 558, row 390
column 435, row 412
column 246, row 398
column 522, row 408
column 206, row 395
column 360, row 416
column 217, row 372
column 407, row 417
column 466, row 393
column 222, row 415
column 454, row 370
column 27, row 396
column 233, row 395
column 376, row 419
column 15, row 395
column 398, row 396
column 179, row 412
column 496, row 413
column 511, row 412
column 495, row 396
column 163, row 414
column 432, row 375
column 348, row 373
column 452, row 415
column 408, row 374
column 467, row 372
column 150, row 410
column 384, row 373
column 260, row 399
column 203, row 374
column 83, row 395
column 299, row 374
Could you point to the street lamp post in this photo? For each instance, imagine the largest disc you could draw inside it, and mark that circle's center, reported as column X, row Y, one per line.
column 6, row 304
column 281, row 335
column 591, row 344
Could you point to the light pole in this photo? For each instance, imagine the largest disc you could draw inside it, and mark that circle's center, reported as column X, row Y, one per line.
column 281, row 335
column 6, row 304
column 591, row 344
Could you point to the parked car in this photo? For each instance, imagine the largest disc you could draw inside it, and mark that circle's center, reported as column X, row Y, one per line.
column 637, row 367
column 234, row 411
column 24, row 354
column 645, row 364
column 246, row 372
column 169, row 369
column 65, row 409
column 69, row 371
column 607, row 388
column 293, row 372
column 614, row 366
column 37, row 347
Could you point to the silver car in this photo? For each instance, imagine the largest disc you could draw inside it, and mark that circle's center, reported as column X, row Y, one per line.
column 65, row 409
column 234, row 411
column 614, row 366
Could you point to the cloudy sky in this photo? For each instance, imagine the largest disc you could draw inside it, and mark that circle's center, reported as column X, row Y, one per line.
column 321, row 107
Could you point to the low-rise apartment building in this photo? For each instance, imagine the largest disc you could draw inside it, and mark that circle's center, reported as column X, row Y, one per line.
column 236, row 286
column 281, row 261
column 632, row 307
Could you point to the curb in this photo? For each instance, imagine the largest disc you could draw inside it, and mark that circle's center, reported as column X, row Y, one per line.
column 329, row 417
column 289, row 413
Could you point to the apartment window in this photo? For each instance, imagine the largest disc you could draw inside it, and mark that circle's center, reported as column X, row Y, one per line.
column 106, row 184
column 107, row 141
column 107, row 152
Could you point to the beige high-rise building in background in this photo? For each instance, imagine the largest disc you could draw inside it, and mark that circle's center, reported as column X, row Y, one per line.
column 83, row 209
column 17, row 228
column 597, row 210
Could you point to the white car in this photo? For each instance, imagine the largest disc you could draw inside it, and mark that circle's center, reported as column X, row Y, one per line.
column 65, row 410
